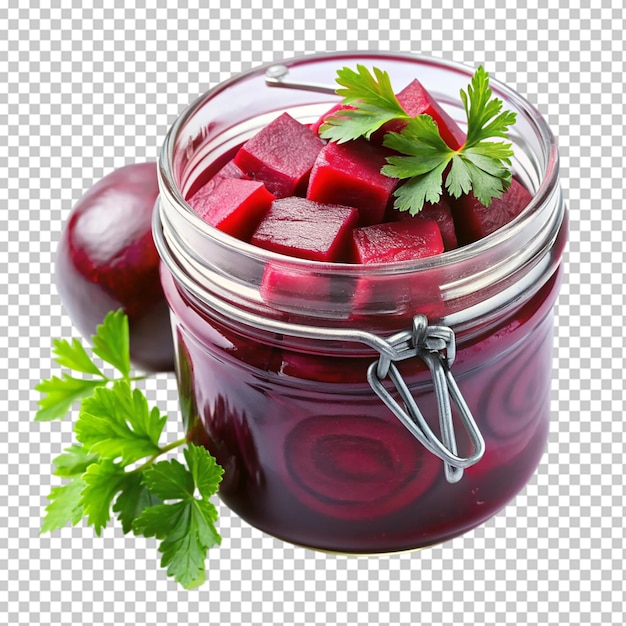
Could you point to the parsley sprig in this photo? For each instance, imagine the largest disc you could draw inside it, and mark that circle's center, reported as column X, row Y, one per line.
column 114, row 464
column 426, row 163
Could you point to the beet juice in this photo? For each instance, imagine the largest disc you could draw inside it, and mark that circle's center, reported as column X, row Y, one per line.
column 289, row 369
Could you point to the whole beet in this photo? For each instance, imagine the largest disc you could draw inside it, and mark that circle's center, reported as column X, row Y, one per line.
column 106, row 259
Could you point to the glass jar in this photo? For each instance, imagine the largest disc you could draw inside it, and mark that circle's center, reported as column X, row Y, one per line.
column 336, row 403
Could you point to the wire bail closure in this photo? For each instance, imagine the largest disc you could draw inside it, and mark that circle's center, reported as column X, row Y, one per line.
column 429, row 344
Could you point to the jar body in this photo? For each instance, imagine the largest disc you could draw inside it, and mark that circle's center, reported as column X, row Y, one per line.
column 311, row 454
column 313, row 457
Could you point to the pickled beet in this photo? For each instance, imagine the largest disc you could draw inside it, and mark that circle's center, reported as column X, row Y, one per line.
column 281, row 156
column 474, row 220
column 292, row 289
column 317, row 450
column 349, row 174
column 396, row 241
column 416, row 100
column 315, row 127
column 312, row 456
column 440, row 213
column 306, row 229
column 233, row 205
column 229, row 170
column 222, row 168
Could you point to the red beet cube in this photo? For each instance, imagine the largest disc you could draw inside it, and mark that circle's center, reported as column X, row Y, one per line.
column 281, row 155
column 309, row 230
column 315, row 127
column 293, row 288
column 440, row 213
column 234, row 206
column 474, row 221
column 400, row 294
column 209, row 178
column 349, row 174
column 417, row 101
column 230, row 170
column 396, row 241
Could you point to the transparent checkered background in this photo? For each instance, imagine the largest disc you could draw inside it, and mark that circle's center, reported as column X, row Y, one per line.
column 83, row 91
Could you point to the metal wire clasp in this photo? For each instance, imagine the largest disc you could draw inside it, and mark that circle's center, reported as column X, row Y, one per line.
column 429, row 343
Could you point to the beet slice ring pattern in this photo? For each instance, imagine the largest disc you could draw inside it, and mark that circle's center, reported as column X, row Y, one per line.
column 514, row 399
column 512, row 404
column 357, row 467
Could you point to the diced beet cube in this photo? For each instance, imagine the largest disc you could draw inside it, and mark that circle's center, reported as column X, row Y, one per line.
column 474, row 221
column 397, row 295
column 415, row 100
column 396, row 241
column 294, row 289
column 315, row 127
column 349, row 174
column 281, row 155
column 210, row 177
column 234, row 206
column 440, row 213
column 230, row 170
column 400, row 294
column 305, row 229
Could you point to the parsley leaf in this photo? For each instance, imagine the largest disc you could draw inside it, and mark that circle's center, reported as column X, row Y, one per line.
column 426, row 163
column 420, row 189
column 207, row 474
column 133, row 499
column 102, row 481
column 111, row 341
column 117, row 422
column 483, row 111
column 186, row 528
column 428, row 157
column 170, row 480
column 65, row 506
column 74, row 462
column 61, row 393
column 187, row 532
column 73, row 356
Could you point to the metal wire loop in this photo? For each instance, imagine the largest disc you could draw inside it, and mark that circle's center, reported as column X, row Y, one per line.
column 435, row 346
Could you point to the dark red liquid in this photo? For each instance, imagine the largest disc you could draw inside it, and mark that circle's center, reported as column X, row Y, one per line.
column 312, row 456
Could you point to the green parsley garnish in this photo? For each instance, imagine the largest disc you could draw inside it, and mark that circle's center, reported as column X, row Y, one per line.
column 116, row 429
column 481, row 165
